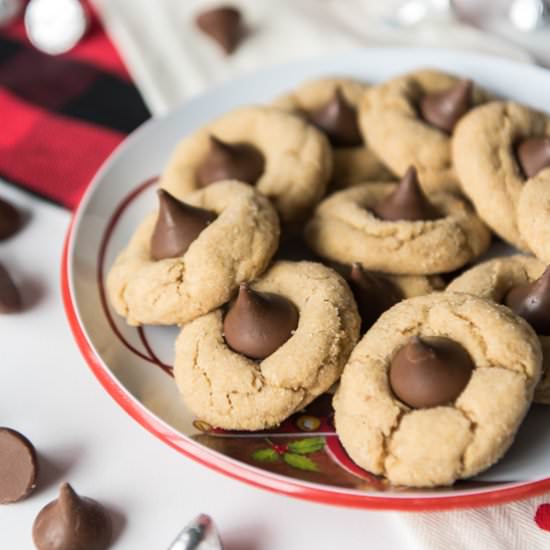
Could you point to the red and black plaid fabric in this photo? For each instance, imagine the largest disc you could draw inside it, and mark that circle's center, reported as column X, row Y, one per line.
column 61, row 116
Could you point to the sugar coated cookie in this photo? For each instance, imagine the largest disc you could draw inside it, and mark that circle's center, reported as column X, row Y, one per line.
column 436, row 389
column 282, row 342
column 189, row 257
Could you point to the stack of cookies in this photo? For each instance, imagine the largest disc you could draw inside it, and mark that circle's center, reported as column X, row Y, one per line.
column 310, row 243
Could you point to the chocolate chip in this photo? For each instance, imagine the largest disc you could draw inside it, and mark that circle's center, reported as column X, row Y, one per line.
column 430, row 371
column 230, row 161
column 72, row 522
column 444, row 109
column 18, row 466
column 407, row 202
column 10, row 219
column 533, row 155
column 224, row 25
column 178, row 225
column 373, row 293
column 10, row 299
column 258, row 323
column 532, row 302
column 338, row 120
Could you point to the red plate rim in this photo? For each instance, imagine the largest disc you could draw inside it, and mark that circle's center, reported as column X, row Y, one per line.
column 254, row 476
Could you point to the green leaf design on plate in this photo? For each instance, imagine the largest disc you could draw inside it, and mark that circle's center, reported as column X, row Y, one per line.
column 300, row 461
column 306, row 446
column 265, row 455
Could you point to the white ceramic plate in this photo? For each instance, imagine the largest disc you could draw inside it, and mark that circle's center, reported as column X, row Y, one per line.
column 134, row 365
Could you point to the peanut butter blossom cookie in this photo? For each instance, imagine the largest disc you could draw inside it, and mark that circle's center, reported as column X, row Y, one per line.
column 501, row 153
column 523, row 284
column 331, row 104
column 377, row 292
column 411, row 119
column 397, row 228
column 284, row 157
column 190, row 257
column 436, row 389
column 281, row 342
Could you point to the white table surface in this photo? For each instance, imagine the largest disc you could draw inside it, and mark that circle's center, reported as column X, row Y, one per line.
column 82, row 436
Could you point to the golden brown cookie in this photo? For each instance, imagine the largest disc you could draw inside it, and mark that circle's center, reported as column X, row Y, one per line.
column 485, row 158
column 417, row 285
column 293, row 168
column 318, row 101
column 229, row 390
column 533, row 212
column 392, row 125
column 345, row 229
column 466, row 412
column 237, row 246
column 493, row 280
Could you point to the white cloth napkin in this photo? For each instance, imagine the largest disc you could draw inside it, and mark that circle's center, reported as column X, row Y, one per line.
column 522, row 525
column 171, row 60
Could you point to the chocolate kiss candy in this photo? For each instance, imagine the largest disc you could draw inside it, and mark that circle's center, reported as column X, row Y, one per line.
column 259, row 323
column 338, row 120
column 430, row 371
column 10, row 299
column 178, row 225
column 223, row 25
column 72, row 523
column 533, row 155
column 444, row 109
column 18, row 466
column 532, row 302
column 373, row 293
column 10, row 220
column 230, row 161
column 407, row 202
